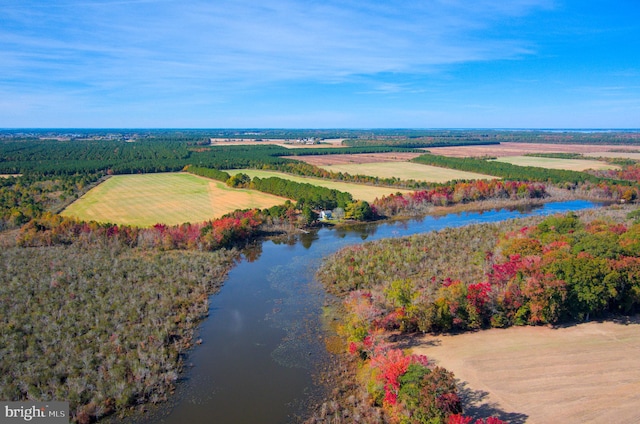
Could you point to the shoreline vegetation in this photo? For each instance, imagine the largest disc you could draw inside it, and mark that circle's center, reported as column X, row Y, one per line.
column 102, row 315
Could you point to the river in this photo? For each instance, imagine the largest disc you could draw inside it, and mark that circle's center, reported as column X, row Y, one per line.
column 262, row 342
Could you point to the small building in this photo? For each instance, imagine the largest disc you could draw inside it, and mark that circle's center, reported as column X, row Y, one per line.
column 325, row 215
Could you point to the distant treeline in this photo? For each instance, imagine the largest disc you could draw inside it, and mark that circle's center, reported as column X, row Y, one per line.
column 419, row 138
column 147, row 156
column 120, row 157
column 164, row 153
column 448, row 135
column 356, row 149
column 414, row 143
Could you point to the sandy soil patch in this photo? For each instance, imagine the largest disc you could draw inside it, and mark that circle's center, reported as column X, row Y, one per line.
column 517, row 149
column 328, row 160
column 588, row 373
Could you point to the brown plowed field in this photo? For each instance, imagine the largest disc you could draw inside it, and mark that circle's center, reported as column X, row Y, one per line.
column 326, row 160
column 588, row 373
column 517, row 149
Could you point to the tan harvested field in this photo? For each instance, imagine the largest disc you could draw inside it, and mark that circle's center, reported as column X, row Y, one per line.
column 588, row 373
column 518, row 149
column 631, row 154
column 326, row 160
column 407, row 171
column 358, row 191
column 556, row 163
column 168, row 198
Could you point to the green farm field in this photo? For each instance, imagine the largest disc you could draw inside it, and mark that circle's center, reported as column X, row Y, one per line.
column 168, row 198
column 358, row 191
column 555, row 163
column 407, row 171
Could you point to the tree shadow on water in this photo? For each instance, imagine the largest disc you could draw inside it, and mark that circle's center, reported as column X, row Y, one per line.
column 475, row 405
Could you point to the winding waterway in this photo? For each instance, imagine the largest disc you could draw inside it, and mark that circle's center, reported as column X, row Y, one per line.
column 262, row 342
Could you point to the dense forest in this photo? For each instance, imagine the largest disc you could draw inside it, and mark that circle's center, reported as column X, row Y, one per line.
column 119, row 157
column 563, row 268
column 25, row 197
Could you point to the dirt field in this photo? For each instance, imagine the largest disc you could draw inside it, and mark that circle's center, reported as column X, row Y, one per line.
column 555, row 163
column 517, row 149
column 169, row 198
column 328, row 160
column 588, row 373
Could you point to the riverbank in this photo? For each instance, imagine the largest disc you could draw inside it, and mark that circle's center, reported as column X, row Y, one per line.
column 554, row 195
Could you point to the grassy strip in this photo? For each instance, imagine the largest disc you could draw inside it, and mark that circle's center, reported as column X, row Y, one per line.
column 100, row 326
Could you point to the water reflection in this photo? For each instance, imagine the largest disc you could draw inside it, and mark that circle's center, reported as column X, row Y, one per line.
column 306, row 239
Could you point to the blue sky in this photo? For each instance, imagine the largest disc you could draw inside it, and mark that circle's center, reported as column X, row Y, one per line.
column 320, row 63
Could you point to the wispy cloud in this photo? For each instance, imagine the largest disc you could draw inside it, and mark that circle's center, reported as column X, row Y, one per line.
column 149, row 43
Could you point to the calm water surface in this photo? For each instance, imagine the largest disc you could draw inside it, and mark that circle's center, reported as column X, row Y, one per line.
column 262, row 341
